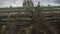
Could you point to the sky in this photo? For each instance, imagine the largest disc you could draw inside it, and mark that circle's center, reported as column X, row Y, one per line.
column 18, row 3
